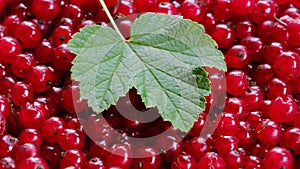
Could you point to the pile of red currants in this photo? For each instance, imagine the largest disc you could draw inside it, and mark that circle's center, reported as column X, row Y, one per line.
column 259, row 127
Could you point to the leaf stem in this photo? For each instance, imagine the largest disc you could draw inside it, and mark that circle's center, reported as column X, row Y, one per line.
column 111, row 19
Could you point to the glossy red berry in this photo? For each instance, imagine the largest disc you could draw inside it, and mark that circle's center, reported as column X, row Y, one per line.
column 278, row 157
column 70, row 139
column 9, row 49
column 236, row 82
column 28, row 34
column 5, row 107
column 211, row 160
column 33, row 115
column 21, row 93
column 228, row 124
column 23, row 64
column 169, row 146
column 121, row 154
column 40, row 78
column 145, row 5
column 71, row 99
column 222, row 9
column 293, row 34
column 25, row 151
column 61, row 35
column 52, row 153
column 193, row 10
column 244, row 29
column 74, row 158
column 95, row 163
column 283, row 109
column 8, row 145
column 62, row 58
column 151, row 159
column 244, row 7
column 45, row 9
column 287, row 65
column 224, row 35
column 7, row 163
column 51, row 128
column 253, row 162
column 263, row 10
column 34, row 163
column 184, row 162
column 290, row 140
column 226, row 144
column 43, row 52
column 253, row 97
column 263, row 74
column 234, row 159
column 196, row 147
column 237, row 56
column 32, row 136
column 269, row 133
column 278, row 87
column 198, row 125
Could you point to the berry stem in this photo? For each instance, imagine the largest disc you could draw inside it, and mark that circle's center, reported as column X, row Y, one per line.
column 111, row 19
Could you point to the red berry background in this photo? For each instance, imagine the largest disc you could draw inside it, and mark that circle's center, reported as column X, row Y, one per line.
column 41, row 124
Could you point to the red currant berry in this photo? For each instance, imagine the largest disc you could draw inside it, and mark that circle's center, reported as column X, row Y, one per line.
column 70, row 139
column 121, row 155
column 62, row 58
column 244, row 7
column 269, row 133
column 9, row 49
column 21, row 93
column 40, row 78
column 45, row 9
column 74, row 158
column 184, row 162
column 23, row 64
column 287, row 65
column 34, row 163
column 7, row 163
column 26, row 150
column 8, row 145
column 196, row 147
column 5, row 107
column 237, row 56
column 95, row 163
column 51, row 128
column 193, row 10
column 290, row 140
column 226, row 144
column 151, row 159
column 145, row 5
column 32, row 136
column 211, row 160
column 237, row 82
column 71, row 99
column 28, row 34
column 33, row 115
column 278, row 157
column 224, row 35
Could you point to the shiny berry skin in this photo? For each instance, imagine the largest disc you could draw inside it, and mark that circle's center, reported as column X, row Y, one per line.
column 244, row 29
column 51, row 128
column 95, row 163
column 209, row 22
column 33, row 115
column 293, row 34
column 253, row 162
column 237, row 56
column 246, row 135
column 61, row 35
column 244, row 7
column 196, row 147
column 263, row 74
column 21, row 93
column 192, row 10
column 34, row 163
column 236, row 106
column 70, row 139
column 71, row 99
column 198, row 125
column 7, row 163
column 43, row 52
column 225, row 144
column 290, row 140
column 52, row 153
column 211, row 160
column 11, row 22
column 32, row 136
column 23, row 64
column 237, row 82
column 278, row 87
column 62, row 58
column 73, row 12
column 126, row 8
column 2, row 5
column 74, row 158
column 8, row 145
column 40, row 78
column 167, row 8
column 263, row 10
column 278, row 158
column 151, row 159
column 224, row 35
column 45, row 9
column 169, row 146
column 228, row 124
column 145, row 5
column 272, row 51
column 253, row 97
column 5, row 107
column 222, row 9
column 26, row 150
column 287, row 65
column 9, row 49
column 28, row 34
column 255, row 47
column 2, row 125
column 234, row 159
column 283, row 109
column 121, row 155
column 269, row 133
column 184, row 162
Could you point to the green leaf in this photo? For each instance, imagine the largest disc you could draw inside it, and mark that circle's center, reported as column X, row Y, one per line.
column 162, row 60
